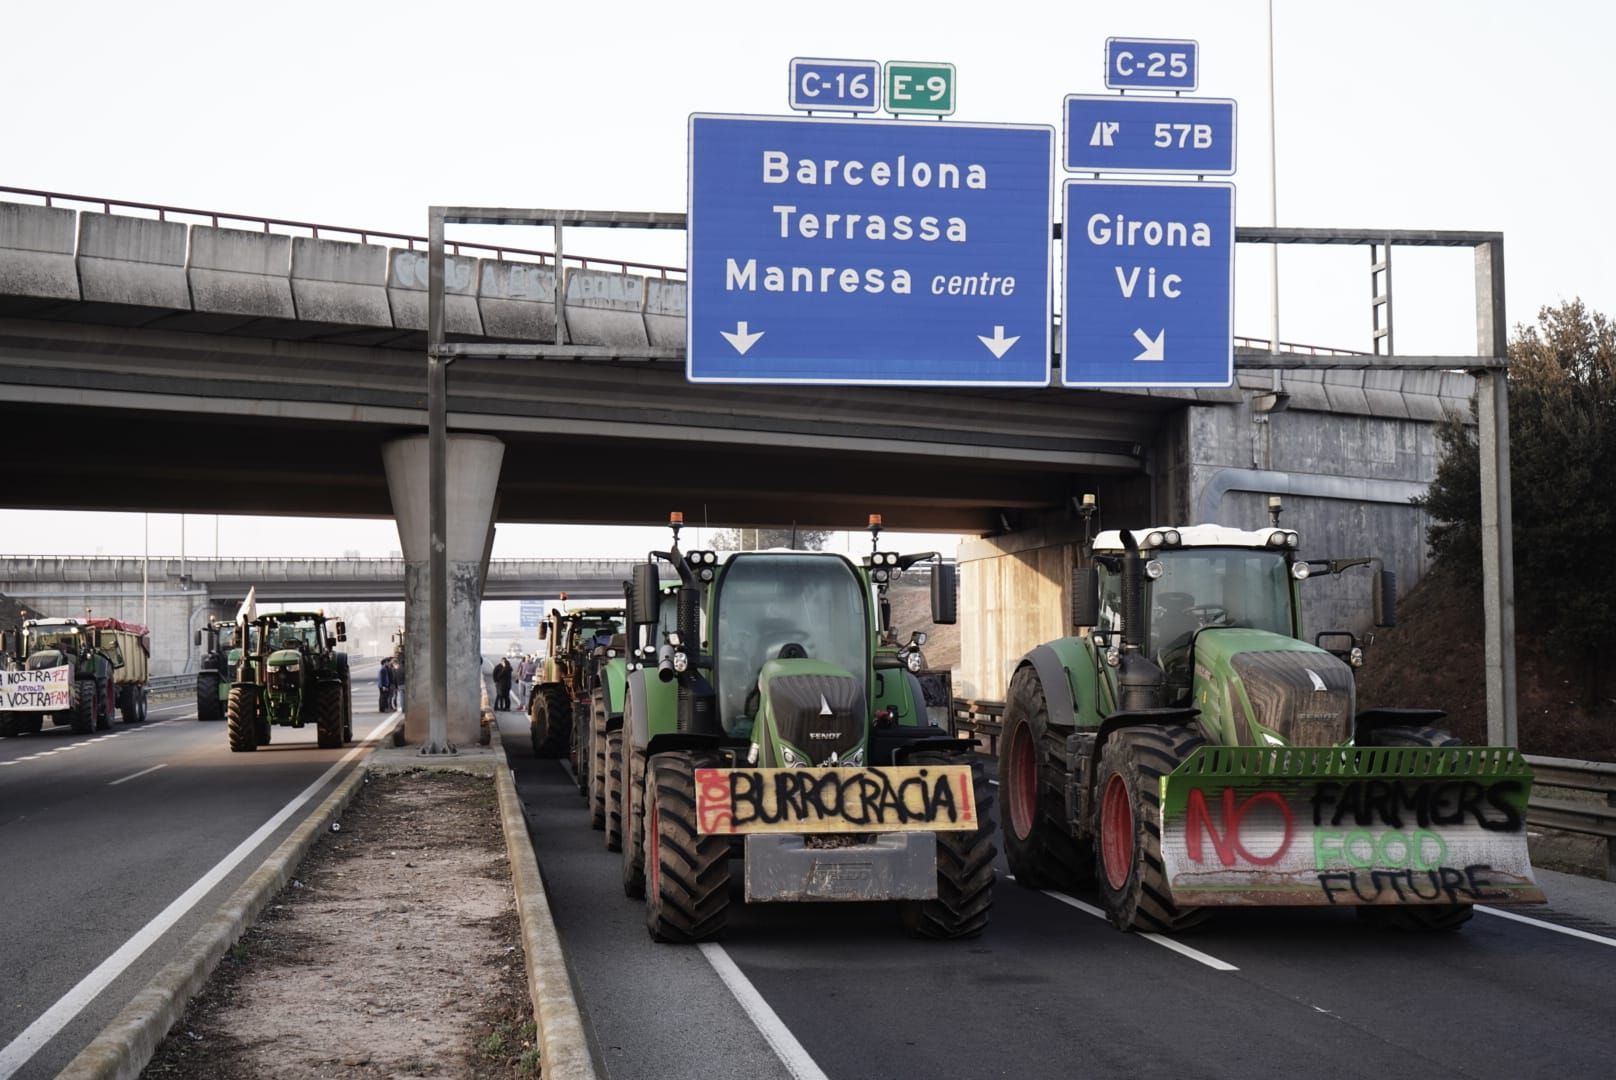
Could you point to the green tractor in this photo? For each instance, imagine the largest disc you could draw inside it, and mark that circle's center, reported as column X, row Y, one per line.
column 92, row 656
column 221, row 656
column 768, row 725
column 559, row 699
column 1192, row 750
column 291, row 676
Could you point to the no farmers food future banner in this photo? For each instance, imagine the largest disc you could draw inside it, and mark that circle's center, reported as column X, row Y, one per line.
column 44, row 690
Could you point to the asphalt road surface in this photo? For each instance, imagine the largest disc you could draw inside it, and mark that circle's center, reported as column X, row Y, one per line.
column 116, row 846
column 1051, row 990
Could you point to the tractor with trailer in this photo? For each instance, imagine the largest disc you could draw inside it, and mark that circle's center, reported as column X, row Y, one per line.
column 92, row 655
column 1191, row 750
column 220, row 658
column 133, row 670
column 291, row 676
column 766, row 727
column 561, row 688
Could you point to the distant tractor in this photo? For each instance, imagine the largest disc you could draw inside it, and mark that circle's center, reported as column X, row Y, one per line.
column 291, row 677
column 767, row 723
column 220, row 658
column 92, row 655
column 558, row 703
column 1192, row 750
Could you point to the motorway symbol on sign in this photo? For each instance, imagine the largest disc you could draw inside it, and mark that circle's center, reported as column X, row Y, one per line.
column 914, row 87
column 852, row 86
column 838, row 250
column 1108, row 133
column 1149, row 284
column 1151, row 64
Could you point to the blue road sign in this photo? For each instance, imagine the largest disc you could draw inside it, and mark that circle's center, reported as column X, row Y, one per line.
column 1108, row 133
column 868, row 251
column 1151, row 64
column 852, row 86
column 1149, row 284
column 531, row 613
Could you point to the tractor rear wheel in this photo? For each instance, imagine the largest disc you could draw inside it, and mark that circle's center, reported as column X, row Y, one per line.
column 614, row 790
column 242, row 716
column 578, row 751
column 1041, row 851
column 556, row 708
column 207, row 696
column 686, row 873
column 1128, row 869
column 85, row 707
column 965, row 873
column 129, row 704
column 328, row 714
column 634, row 826
column 1417, row 918
column 596, row 747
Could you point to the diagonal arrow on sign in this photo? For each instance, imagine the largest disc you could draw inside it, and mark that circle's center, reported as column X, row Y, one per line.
column 998, row 344
column 740, row 338
column 1155, row 347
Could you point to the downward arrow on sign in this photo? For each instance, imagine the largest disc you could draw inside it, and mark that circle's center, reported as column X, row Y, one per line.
column 998, row 344
column 740, row 338
column 1155, row 348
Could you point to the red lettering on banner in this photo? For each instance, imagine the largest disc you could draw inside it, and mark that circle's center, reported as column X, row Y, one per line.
column 1198, row 820
column 965, row 796
column 713, row 810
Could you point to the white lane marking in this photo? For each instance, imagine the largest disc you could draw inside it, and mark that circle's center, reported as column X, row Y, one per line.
column 92, row 739
column 1540, row 924
column 774, row 1031
column 16, row 1053
column 1160, row 939
column 136, row 776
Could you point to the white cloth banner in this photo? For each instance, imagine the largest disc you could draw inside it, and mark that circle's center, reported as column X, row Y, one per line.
column 45, row 690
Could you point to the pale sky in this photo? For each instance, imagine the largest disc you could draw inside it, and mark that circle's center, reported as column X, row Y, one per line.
column 1463, row 114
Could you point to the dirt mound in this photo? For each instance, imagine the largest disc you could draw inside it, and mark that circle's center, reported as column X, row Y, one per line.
column 1434, row 658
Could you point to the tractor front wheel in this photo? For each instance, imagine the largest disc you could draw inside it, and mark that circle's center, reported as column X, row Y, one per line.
column 328, row 715
column 84, row 706
column 686, row 873
column 596, row 746
column 1041, row 851
column 242, row 717
column 1131, row 877
column 578, row 751
column 614, row 790
column 207, row 696
column 550, row 738
column 965, row 873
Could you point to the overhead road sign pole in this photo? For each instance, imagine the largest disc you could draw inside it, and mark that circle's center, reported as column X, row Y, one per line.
column 870, row 252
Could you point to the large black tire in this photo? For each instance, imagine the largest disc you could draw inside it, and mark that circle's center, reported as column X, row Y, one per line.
column 85, row 709
column 144, row 701
column 242, row 717
column 578, row 747
column 347, row 701
column 597, row 769
column 634, row 826
column 131, row 705
column 328, row 714
column 1041, row 851
column 687, row 887
column 614, row 790
column 965, row 873
column 208, row 706
column 1416, row 918
column 105, row 705
column 556, row 709
column 10, row 724
column 1128, row 865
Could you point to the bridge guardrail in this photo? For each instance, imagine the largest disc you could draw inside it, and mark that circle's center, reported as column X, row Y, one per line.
column 163, row 685
column 985, row 719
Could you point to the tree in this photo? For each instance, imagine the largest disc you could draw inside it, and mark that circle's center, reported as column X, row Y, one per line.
column 1562, row 401
column 757, row 539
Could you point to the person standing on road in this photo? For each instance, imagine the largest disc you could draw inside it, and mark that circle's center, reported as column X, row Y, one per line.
column 502, row 685
column 524, row 681
column 384, row 686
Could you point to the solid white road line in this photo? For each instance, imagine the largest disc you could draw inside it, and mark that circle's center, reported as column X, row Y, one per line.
column 779, row 1037
column 17, row 1052
column 1541, row 925
column 1160, row 939
column 135, row 776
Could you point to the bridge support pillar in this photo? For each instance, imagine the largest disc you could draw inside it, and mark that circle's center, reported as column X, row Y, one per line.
column 473, row 467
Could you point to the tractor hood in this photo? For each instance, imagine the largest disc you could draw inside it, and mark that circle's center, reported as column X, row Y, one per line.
column 817, row 709
column 281, row 658
column 1263, row 689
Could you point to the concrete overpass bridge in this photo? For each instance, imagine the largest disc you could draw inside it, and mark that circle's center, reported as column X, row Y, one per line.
column 157, row 358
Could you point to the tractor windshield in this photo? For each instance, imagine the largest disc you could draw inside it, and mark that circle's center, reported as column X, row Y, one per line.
column 291, row 635
column 1209, row 587
column 65, row 639
column 769, row 600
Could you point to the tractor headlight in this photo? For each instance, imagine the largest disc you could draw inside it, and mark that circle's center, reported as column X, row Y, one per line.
column 1355, row 657
column 879, row 576
column 675, row 639
column 705, row 573
column 1173, row 537
column 681, row 662
column 854, row 758
column 1300, row 571
column 1292, row 539
column 912, row 661
column 1155, row 540
column 1154, row 569
column 1276, row 539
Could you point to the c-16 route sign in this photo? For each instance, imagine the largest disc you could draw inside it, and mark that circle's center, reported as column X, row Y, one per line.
column 1149, row 284
column 870, row 252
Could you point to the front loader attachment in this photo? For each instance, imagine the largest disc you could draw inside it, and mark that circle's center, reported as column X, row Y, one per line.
column 1348, row 826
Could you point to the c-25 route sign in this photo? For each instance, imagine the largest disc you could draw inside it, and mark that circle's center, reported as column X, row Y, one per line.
column 1151, row 64
column 838, row 250
column 1149, row 284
